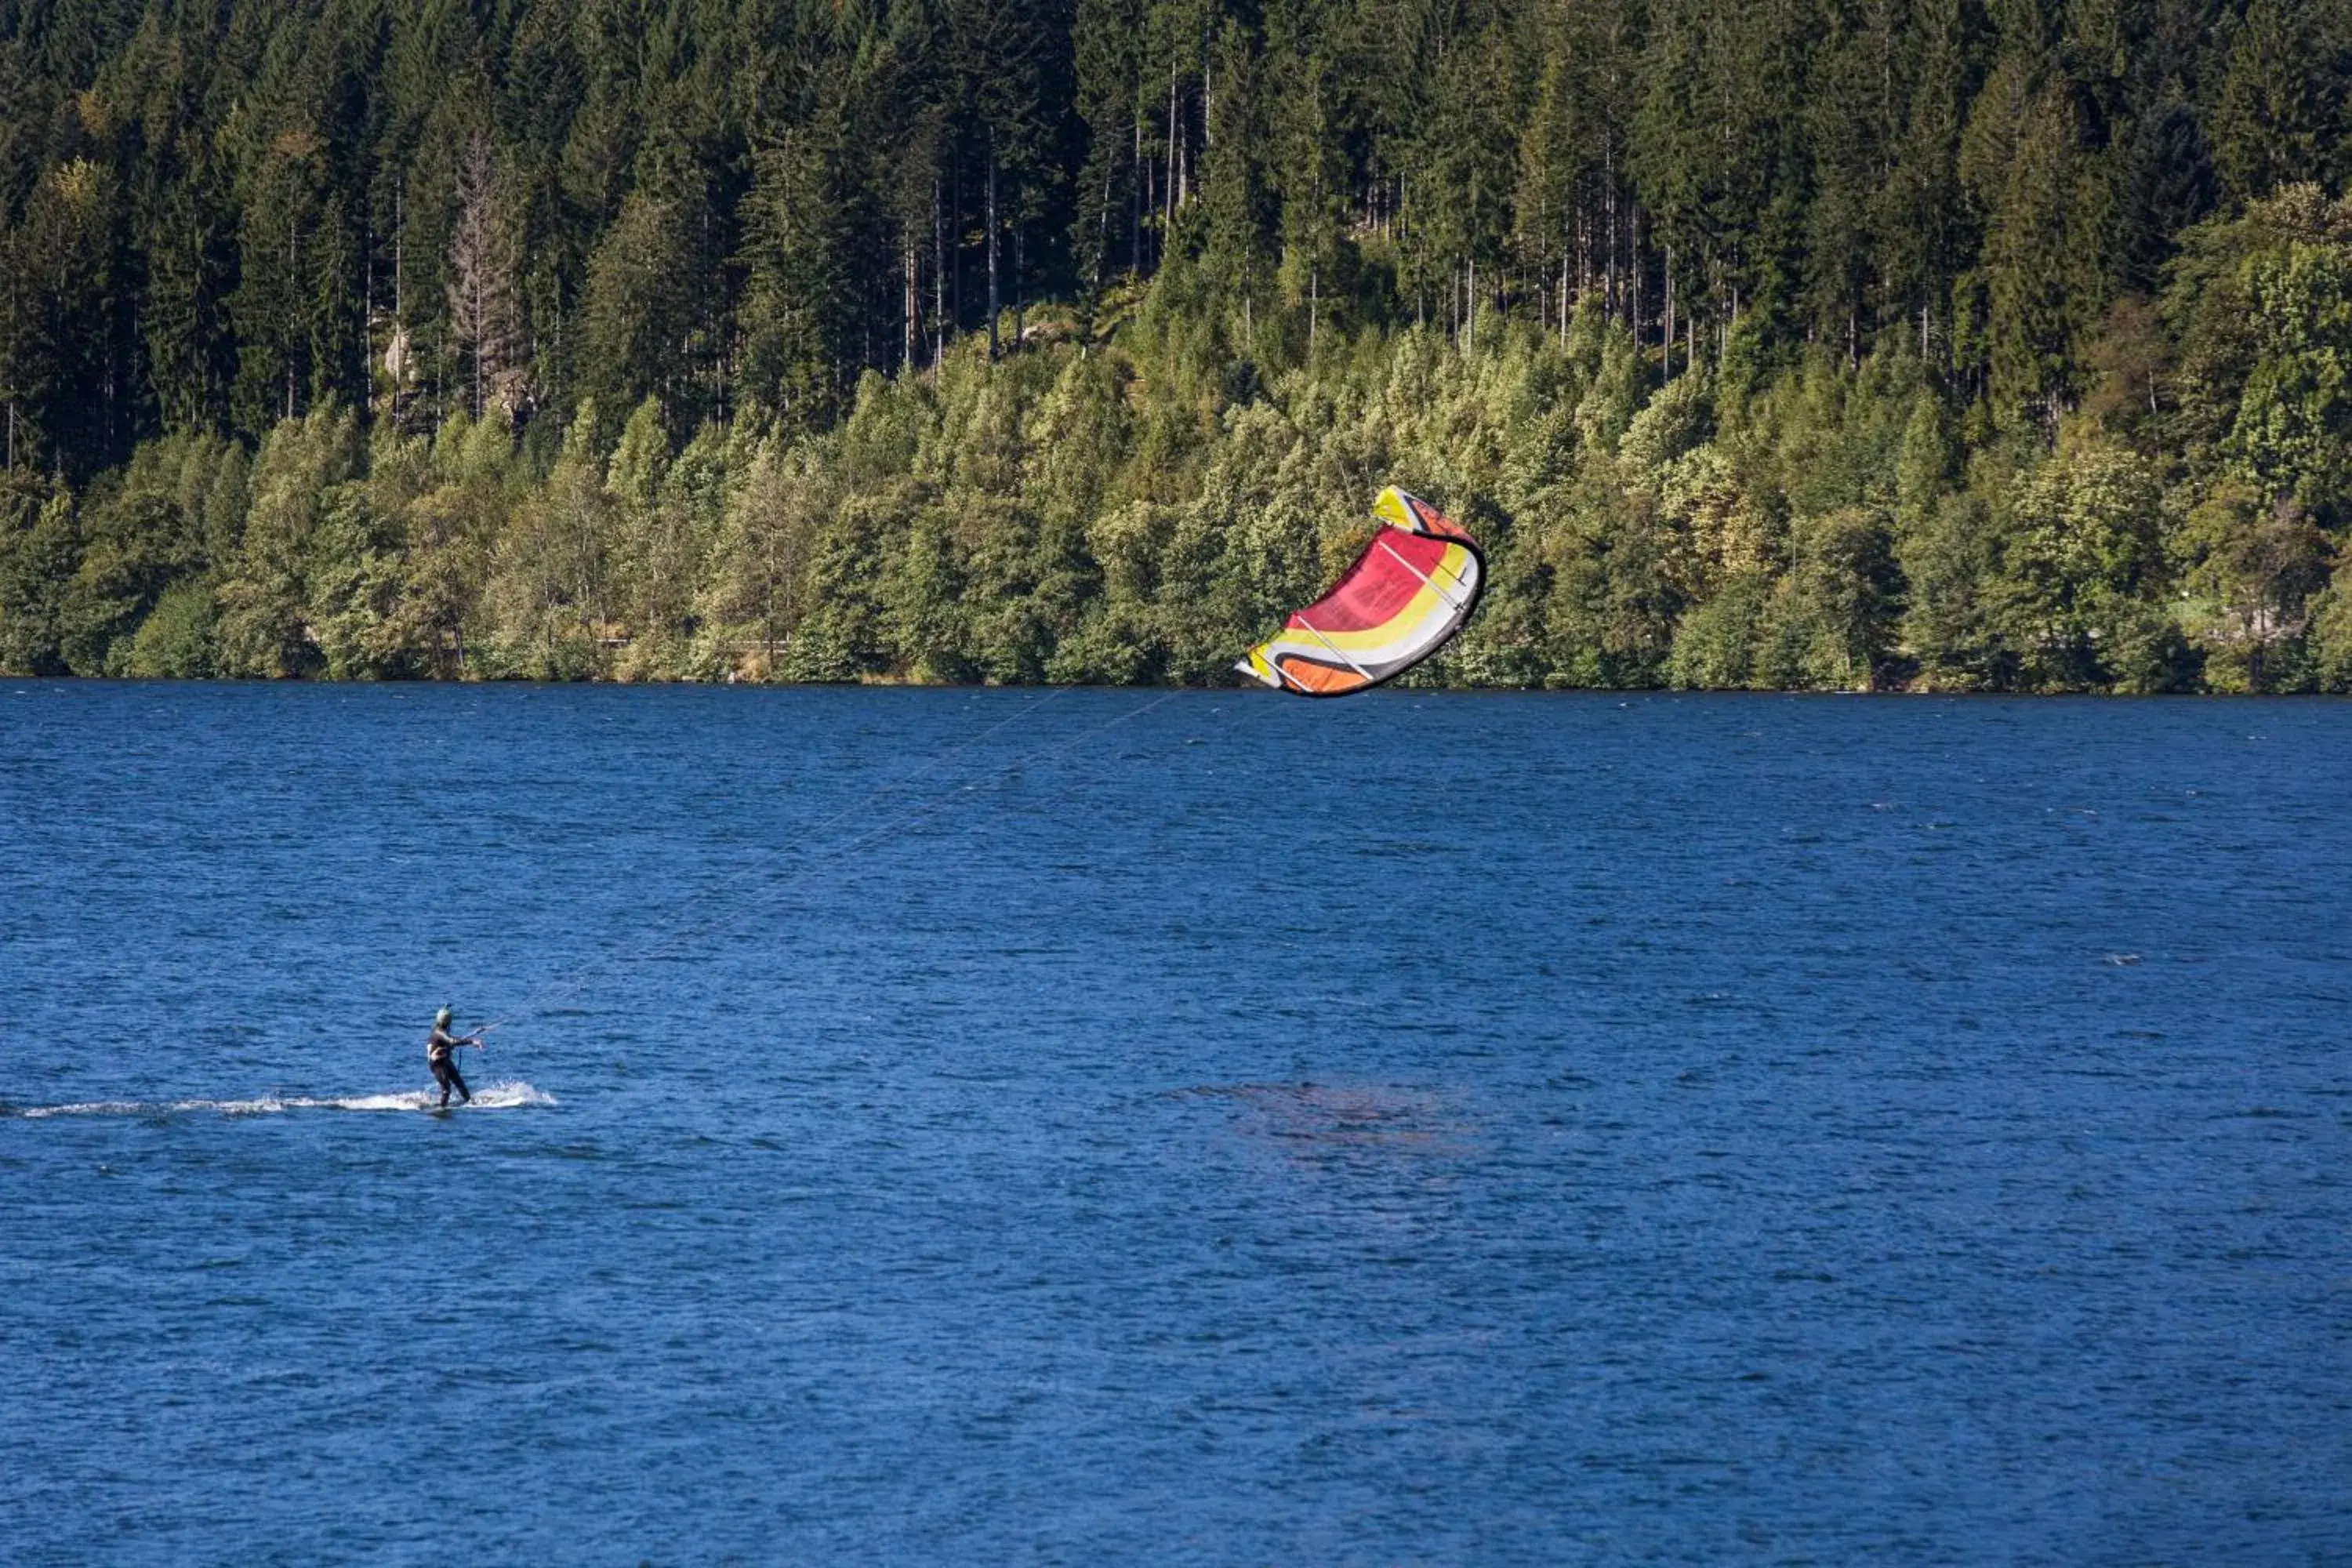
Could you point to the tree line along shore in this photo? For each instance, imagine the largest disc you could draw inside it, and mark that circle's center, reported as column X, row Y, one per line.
column 1827, row 344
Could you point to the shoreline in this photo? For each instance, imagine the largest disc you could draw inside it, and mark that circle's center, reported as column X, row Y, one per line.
column 1400, row 689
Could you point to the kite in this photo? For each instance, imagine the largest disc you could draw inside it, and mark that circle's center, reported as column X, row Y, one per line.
column 1410, row 589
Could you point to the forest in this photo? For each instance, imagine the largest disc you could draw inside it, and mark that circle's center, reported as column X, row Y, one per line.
column 1820, row 344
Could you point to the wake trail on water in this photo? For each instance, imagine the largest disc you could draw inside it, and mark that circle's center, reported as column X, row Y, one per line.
column 512, row 1095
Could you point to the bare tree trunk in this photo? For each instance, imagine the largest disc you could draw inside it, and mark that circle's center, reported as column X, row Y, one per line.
column 1634, row 310
column 1609, row 295
column 292, row 262
column 1102, row 233
column 992, row 245
column 1188, row 174
column 1666, row 338
column 914, row 307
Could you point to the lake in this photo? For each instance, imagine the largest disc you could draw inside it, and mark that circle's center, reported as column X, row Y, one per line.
column 938, row 1126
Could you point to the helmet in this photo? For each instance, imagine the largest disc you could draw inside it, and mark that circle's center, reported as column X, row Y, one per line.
column 442, row 1017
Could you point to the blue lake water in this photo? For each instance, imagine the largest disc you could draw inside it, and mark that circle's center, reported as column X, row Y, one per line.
column 948, row 1126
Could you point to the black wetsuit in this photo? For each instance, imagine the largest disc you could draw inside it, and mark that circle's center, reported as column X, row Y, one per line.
column 441, row 1056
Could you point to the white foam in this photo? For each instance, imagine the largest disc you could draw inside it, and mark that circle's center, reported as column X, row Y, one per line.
column 510, row 1095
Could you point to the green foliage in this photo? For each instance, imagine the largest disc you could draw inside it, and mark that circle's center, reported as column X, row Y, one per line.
column 265, row 628
column 2078, row 548
column 2331, row 639
column 1818, row 347
column 2281, row 115
column 2294, row 430
column 175, row 640
column 39, row 547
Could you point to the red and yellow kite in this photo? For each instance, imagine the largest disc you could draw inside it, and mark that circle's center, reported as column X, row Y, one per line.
column 1410, row 589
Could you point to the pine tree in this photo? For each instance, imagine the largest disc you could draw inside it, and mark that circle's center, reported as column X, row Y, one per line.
column 1107, row 47
column 1239, row 209
column 2047, row 280
column 2282, row 115
column 1305, row 104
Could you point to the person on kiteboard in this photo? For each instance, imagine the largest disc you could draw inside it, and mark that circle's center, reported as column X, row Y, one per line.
column 440, row 1055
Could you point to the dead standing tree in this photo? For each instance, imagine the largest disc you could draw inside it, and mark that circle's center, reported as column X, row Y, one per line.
column 483, row 260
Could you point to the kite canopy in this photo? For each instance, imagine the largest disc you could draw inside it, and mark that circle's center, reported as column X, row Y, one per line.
column 1410, row 589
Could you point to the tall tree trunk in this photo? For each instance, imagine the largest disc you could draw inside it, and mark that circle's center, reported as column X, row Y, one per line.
column 1666, row 338
column 1634, row 269
column 1208, row 90
column 1188, row 161
column 290, row 263
column 1102, row 233
column 914, row 305
column 992, row 245
column 1608, row 296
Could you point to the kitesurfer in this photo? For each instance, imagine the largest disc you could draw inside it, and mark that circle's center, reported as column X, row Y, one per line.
column 440, row 1055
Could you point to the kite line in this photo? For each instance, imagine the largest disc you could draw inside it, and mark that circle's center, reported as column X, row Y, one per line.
column 683, row 934
column 1384, row 615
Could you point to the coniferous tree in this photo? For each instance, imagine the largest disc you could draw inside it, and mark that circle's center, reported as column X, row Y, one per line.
column 1817, row 342
column 2281, row 114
